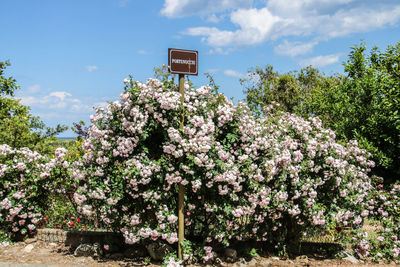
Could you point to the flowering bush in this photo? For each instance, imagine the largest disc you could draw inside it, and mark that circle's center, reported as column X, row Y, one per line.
column 25, row 187
column 384, row 206
column 245, row 177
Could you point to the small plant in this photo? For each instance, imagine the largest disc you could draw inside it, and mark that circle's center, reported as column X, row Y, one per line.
column 187, row 249
column 253, row 253
column 4, row 239
column 147, row 261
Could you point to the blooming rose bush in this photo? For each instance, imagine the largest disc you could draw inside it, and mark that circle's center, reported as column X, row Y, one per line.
column 265, row 178
column 383, row 206
column 26, row 183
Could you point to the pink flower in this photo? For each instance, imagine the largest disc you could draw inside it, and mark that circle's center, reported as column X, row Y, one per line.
column 173, row 238
column 172, row 218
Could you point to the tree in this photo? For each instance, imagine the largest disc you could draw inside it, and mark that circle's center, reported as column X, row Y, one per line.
column 291, row 90
column 373, row 88
column 19, row 128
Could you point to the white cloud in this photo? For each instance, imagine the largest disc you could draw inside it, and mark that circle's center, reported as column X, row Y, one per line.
column 219, row 50
column 60, row 95
column 57, row 100
column 62, row 105
column 319, row 20
column 361, row 19
column 214, row 19
column 255, row 27
column 33, row 89
column 183, row 8
column 28, row 100
column 298, row 8
column 320, row 61
column 233, row 73
column 294, row 48
column 91, row 68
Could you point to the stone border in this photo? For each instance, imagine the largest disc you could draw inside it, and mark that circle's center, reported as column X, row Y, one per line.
column 75, row 238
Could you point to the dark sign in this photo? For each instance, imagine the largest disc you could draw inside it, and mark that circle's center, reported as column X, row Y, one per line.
column 183, row 61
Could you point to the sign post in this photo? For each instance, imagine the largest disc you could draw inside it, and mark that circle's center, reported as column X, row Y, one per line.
column 182, row 62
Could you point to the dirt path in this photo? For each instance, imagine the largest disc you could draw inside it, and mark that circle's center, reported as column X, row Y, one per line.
column 37, row 253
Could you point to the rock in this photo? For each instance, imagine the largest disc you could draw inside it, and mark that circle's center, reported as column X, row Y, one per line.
column 219, row 262
column 275, row 258
column 242, row 262
column 88, row 250
column 303, row 259
column 85, row 250
column 351, row 259
column 158, row 250
column 264, row 263
column 238, row 264
column 344, row 255
column 28, row 248
column 230, row 253
column 253, row 262
column 230, row 260
column 30, row 240
column 135, row 252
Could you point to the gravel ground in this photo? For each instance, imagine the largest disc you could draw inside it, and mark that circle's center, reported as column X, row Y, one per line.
column 43, row 254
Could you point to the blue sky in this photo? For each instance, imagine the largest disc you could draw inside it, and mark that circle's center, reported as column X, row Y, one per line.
column 69, row 55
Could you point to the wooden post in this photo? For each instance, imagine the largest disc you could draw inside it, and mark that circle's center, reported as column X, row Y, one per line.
column 182, row 62
column 181, row 194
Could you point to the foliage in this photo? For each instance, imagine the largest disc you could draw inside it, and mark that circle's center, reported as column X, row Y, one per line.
column 62, row 210
column 362, row 105
column 293, row 90
column 7, row 85
column 365, row 106
column 161, row 73
column 19, row 128
column 245, row 177
column 61, row 214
